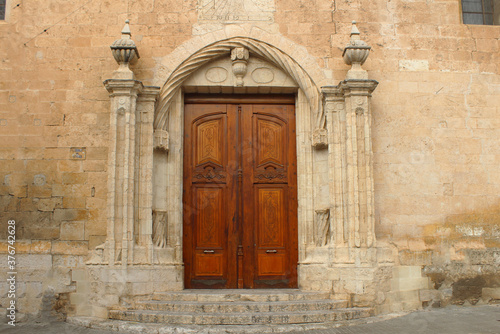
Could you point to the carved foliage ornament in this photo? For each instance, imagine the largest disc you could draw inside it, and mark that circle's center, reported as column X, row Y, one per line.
column 239, row 57
column 271, row 173
column 210, row 174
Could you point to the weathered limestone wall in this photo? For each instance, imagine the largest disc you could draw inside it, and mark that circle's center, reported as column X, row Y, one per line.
column 436, row 146
column 435, row 133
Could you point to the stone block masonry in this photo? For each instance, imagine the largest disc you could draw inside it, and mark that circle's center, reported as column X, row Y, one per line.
column 434, row 137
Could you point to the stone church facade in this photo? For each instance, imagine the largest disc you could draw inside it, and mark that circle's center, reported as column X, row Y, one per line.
column 383, row 191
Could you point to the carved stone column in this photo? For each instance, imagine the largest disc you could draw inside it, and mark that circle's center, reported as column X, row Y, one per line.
column 359, row 162
column 124, row 91
column 335, row 123
column 121, row 168
column 145, row 106
column 348, row 116
column 357, row 89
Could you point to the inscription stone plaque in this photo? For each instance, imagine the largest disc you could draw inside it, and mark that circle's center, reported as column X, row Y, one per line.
column 236, row 10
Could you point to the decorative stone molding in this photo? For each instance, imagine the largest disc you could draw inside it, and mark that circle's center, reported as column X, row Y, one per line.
column 263, row 50
column 239, row 57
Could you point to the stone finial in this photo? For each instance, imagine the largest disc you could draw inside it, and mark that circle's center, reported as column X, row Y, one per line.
column 124, row 51
column 240, row 57
column 355, row 54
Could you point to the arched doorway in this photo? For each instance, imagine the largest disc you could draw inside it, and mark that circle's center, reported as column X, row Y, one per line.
column 335, row 213
column 270, row 72
column 240, row 191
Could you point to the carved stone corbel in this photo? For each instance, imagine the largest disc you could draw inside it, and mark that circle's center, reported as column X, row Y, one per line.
column 161, row 140
column 319, row 138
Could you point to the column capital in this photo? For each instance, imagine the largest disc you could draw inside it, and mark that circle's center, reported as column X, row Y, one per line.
column 333, row 99
column 358, row 86
column 149, row 93
column 120, row 87
column 331, row 93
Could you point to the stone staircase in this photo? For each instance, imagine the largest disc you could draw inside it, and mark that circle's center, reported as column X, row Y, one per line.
column 240, row 311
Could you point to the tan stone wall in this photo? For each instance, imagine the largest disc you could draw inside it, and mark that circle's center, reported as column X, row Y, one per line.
column 435, row 120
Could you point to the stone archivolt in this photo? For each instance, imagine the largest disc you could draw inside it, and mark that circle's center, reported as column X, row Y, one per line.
column 255, row 47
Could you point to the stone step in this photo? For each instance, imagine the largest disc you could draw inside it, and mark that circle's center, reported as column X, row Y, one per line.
column 241, row 306
column 159, row 328
column 275, row 318
column 262, row 295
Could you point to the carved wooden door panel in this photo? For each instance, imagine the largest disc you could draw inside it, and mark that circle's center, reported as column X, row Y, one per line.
column 208, row 188
column 240, row 201
column 270, row 202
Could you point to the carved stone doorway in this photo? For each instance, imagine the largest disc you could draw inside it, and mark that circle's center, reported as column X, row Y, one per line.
column 240, row 192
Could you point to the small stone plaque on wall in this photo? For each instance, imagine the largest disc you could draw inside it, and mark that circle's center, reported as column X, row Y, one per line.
column 236, row 10
column 78, row 153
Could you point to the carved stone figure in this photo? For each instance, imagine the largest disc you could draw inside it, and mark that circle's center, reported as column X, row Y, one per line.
column 159, row 228
column 323, row 230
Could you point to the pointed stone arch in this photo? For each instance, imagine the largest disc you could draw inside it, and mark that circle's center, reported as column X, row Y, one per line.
column 256, row 47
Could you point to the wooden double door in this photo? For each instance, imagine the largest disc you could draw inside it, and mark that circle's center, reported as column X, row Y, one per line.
column 240, row 192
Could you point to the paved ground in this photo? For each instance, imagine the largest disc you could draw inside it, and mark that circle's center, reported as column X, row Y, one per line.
column 456, row 320
column 450, row 320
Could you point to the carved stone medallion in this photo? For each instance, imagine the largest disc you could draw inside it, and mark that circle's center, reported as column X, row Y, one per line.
column 216, row 74
column 262, row 75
